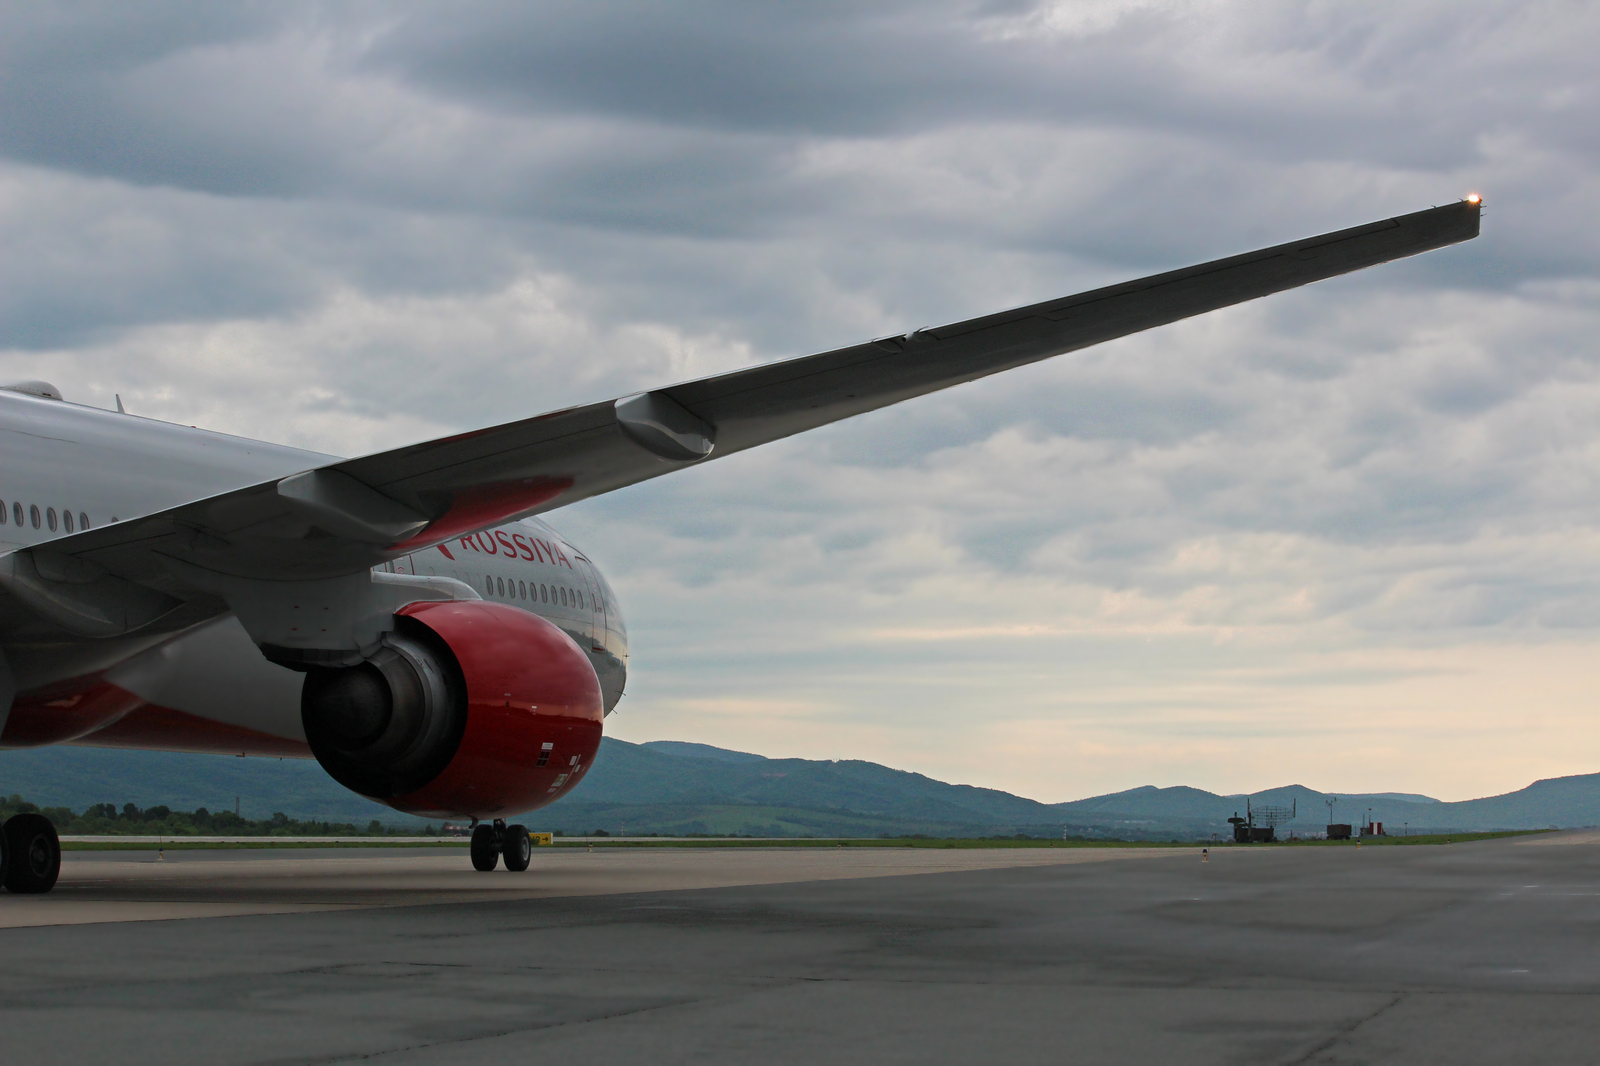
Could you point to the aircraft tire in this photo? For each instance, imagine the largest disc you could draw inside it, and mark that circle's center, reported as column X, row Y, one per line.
column 485, row 856
column 518, row 850
column 33, row 854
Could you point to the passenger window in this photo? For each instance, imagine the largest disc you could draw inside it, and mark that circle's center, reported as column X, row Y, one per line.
column 488, row 583
column 66, row 520
column 3, row 512
column 522, row 589
column 544, row 594
column 50, row 518
column 563, row 597
column 83, row 520
column 33, row 514
column 501, row 585
column 16, row 512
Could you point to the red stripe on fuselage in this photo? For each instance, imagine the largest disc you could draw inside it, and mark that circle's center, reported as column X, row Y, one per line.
column 102, row 715
column 61, row 713
column 155, row 728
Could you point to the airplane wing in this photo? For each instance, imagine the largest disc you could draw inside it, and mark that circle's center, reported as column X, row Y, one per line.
column 349, row 516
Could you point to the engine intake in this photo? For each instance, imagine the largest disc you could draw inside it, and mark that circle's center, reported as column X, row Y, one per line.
column 390, row 725
column 469, row 709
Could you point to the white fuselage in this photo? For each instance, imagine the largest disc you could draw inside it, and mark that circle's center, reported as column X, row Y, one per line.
column 62, row 464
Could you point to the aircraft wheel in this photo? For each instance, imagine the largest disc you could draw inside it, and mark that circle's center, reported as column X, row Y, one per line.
column 519, row 848
column 33, row 854
column 485, row 856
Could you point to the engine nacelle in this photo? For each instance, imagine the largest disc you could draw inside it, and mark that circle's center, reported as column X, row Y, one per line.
column 470, row 709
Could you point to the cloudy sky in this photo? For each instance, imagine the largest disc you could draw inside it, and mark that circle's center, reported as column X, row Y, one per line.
column 1347, row 537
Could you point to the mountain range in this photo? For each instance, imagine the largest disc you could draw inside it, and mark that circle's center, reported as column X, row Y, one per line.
column 674, row 787
column 678, row 787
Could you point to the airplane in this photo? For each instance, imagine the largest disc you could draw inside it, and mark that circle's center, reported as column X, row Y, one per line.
column 407, row 619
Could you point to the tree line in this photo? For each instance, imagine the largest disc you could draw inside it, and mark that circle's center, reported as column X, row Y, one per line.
column 107, row 819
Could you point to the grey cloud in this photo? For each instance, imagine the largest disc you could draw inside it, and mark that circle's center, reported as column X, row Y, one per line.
column 90, row 258
column 99, row 37
column 696, row 115
column 74, row 81
column 847, row 70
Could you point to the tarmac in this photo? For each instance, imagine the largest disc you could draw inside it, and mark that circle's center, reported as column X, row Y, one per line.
column 1465, row 953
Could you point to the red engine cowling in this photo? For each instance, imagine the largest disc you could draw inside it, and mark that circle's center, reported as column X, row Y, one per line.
column 471, row 709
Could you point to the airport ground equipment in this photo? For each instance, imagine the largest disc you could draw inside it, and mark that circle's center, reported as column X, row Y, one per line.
column 1261, row 821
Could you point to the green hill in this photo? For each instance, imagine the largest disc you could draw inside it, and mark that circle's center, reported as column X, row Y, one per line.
column 78, row 777
column 645, row 774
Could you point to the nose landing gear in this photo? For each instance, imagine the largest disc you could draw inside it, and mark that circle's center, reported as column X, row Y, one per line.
column 30, row 854
column 491, row 841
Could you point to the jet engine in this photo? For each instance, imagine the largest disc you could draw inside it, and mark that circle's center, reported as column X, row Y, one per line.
column 469, row 709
